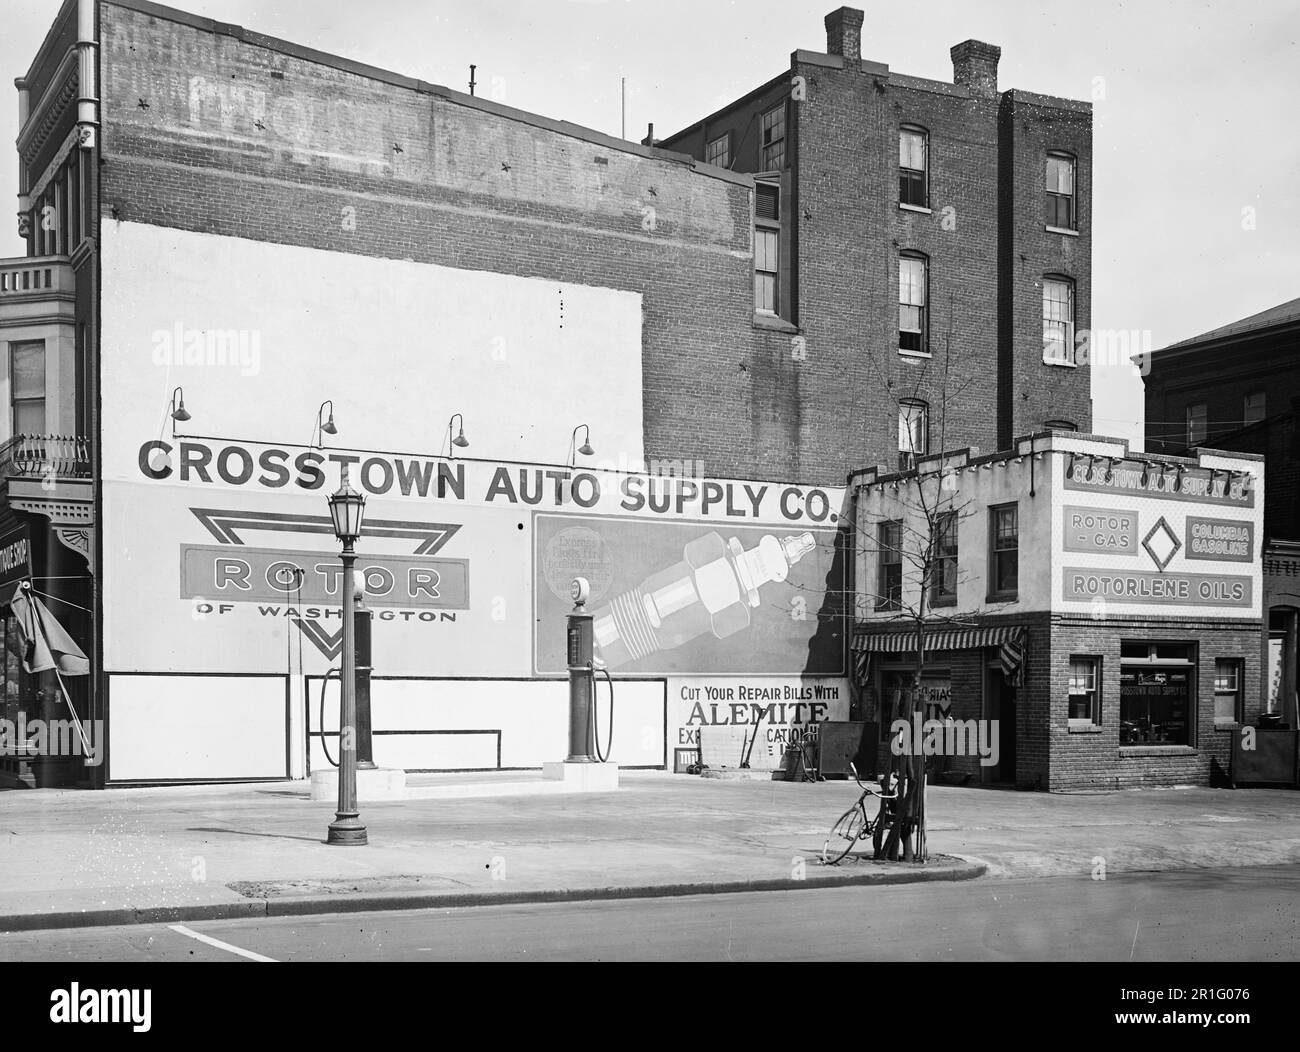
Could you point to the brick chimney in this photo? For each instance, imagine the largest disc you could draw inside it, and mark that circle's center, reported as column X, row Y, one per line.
column 844, row 34
column 975, row 67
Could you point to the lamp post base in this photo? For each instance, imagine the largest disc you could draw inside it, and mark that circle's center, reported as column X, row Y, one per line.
column 347, row 831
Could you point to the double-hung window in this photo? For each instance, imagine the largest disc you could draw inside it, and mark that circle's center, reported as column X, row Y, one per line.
column 943, row 582
column 1084, row 704
column 1060, row 191
column 913, row 167
column 890, row 585
column 1058, row 320
column 913, row 330
column 773, row 139
column 1004, row 551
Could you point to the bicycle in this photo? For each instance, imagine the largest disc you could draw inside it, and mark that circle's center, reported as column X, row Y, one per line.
column 854, row 825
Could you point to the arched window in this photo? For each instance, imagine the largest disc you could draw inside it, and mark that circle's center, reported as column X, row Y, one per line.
column 1061, row 425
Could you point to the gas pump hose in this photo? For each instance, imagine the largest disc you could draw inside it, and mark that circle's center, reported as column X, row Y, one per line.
column 595, row 725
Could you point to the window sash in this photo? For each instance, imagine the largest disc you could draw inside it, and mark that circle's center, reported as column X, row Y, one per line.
column 718, row 152
column 773, row 135
column 890, row 584
column 1253, row 408
column 945, row 557
column 913, row 428
column 911, row 282
column 1006, row 530
column 767, row 245
column 1197, row 418
column 912, row 151
column 1058, row 319
column 1005, row 568
column 1060, row 175
column 27, row 370
column 911, row 188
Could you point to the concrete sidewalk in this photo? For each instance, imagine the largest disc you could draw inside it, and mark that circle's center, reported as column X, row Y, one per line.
column 72, row 858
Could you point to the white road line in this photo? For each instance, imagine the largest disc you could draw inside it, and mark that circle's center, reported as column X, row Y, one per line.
column 219, row 944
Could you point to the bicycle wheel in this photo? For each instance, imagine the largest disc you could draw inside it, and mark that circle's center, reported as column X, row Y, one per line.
column 845, row 833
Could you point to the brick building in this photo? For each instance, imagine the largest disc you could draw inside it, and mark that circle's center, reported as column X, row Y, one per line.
column 1062, row 594
column 231, row 236
column 1237, row 387
column 929, row 243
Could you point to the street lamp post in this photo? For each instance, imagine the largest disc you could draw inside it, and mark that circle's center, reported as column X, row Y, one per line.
column 347, row 507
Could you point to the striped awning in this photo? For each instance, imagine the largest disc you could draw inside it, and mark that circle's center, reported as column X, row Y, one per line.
column 1009, row 639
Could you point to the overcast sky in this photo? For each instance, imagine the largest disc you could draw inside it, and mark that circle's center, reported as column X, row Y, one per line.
column 1195, row 110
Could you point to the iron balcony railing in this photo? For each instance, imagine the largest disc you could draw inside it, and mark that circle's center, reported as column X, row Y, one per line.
column 46, row 456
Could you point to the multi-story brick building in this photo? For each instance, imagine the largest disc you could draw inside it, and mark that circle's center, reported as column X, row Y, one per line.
column 928, row 243
column 1066, row 600
column 231, row 236
column 1237, row 387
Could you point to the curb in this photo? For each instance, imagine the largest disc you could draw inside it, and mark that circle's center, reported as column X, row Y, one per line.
column 965, row 869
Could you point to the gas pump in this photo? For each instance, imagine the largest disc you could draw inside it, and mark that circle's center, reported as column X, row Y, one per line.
column 584, row 736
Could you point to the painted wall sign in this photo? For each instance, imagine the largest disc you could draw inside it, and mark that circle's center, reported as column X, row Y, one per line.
column 764, row 715
column 1113, row 531
column 1191, row 484
column 1220, row 540
column 1082, row 585
column 15, row 561
column 690, row 598
column 251, row 575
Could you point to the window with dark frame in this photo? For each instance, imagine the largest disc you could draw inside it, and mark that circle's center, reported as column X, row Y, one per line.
column 943, row 585
column 1061, row 425
column 718, row 151
column 1004, row 551
column 1084, row 690
column 913, row 166
column 1058, row 319
column 1197, row 423
column 1060, row 191
column 913, row 333
column 773, row 139
column 1157, row 693
column 767, row 248
column 1229, row 699
column 890, row 585
column 913, row 432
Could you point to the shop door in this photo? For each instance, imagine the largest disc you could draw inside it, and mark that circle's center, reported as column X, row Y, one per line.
column 1000, row 706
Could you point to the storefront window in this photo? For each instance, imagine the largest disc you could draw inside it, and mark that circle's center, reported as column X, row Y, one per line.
column 1156, row 693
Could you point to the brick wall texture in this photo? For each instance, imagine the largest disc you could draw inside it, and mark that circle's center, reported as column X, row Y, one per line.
column 985, row 239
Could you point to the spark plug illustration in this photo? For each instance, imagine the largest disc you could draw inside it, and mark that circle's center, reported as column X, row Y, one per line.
column 712, row 589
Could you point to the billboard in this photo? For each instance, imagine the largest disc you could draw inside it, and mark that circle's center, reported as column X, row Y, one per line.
column 221, row 565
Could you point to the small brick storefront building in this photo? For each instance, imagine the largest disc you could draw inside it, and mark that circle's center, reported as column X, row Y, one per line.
column 1099, row 608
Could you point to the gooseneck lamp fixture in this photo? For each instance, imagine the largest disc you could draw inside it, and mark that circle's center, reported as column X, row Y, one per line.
column 324, row 426
column 460, row 441
column 347, row 509
column 585, row 449
column 179, row 413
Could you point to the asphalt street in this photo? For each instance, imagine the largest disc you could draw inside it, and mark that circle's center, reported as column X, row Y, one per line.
column 1238, row 914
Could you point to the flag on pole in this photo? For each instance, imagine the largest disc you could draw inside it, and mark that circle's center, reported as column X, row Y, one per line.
column 45, row 644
